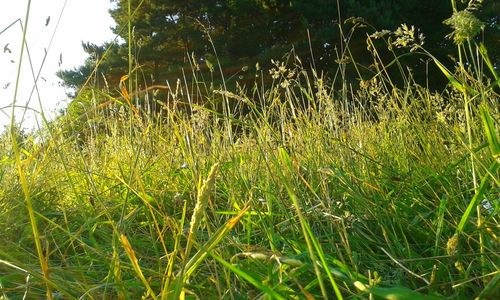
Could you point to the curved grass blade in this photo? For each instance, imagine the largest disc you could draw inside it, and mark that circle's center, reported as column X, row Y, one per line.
column 312, row 243
column 202, row 253
column 264, row 288
column 393, row 293
column 489, row 130
column 478, row 196
column 135, row 264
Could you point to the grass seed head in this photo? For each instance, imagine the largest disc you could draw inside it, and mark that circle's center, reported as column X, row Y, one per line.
column 452, row 245
column 202, row 200
column 465, row 26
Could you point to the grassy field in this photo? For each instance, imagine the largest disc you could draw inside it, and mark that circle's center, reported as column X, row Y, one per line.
column 289, row 189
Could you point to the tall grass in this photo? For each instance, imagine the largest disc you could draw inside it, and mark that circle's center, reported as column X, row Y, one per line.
column 293, row 190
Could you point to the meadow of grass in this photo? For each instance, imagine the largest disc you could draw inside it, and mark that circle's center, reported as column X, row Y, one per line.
column 290, row 189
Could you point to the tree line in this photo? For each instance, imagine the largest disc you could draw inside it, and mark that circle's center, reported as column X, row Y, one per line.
column 168, row 35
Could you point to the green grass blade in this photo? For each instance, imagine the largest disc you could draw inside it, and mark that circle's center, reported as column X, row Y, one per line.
column 213, row 242
column 312, row 244
column 490, row 132
column 484, row 53
column 443, row 202
column 477, row 197
column 491, row 289
column 204, row 250
column 135, row 264
column 264, row 288
column 455, row 82
column 394, row 293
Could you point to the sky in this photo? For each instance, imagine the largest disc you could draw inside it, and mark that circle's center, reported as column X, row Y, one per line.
column 56, row 29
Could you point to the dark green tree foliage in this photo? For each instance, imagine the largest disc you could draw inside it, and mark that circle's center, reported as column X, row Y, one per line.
column 167, row 32
column 107, row 72
column 163, row 30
